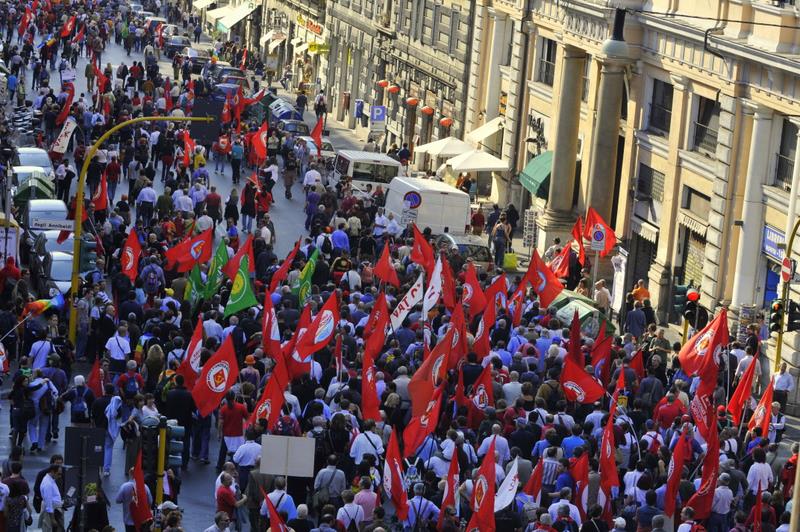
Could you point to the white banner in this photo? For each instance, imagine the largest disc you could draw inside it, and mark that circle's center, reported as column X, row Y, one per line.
column 434, row 291
column 508, row 489
column 62, row 140
column 412, row 297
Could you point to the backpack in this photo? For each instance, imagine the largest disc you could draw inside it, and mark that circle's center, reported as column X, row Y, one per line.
column 553, row 397
column 164, row 386
column 321, row 447
column 151, row 281
column 46, row 403
column 697, row 527
column 78, row 407
column 131, row 386
column 327, row 246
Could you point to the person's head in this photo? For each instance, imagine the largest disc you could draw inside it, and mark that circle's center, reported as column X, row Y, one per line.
column 222, row 520
column 687, row 514
column 302, row 511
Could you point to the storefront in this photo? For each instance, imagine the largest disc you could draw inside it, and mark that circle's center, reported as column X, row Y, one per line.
column 772, row 251
column 309, row 45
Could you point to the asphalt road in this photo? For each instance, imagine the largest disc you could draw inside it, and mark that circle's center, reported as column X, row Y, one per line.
column 197, row 494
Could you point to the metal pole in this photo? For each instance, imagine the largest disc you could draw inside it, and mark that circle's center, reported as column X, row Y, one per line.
column 785, row 301
column 594, row 271
column 685, row 330
column 162, row 451
column 79, row 194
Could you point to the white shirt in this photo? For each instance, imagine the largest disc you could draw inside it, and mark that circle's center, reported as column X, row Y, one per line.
column 500, row 445
column 365, row 443
column 39, row 351
column 573, row 511
column 247, row 453
column 51, row 496
column 212, row 328
column 311, row 177
column 118, row 347
column 784, row 382
column 759, row 473
column 723, row 497
column 350, row 512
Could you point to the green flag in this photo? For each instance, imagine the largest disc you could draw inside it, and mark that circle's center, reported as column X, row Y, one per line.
column 215, row 278
column 242, row 295
column 194, row 286
column 302, row 285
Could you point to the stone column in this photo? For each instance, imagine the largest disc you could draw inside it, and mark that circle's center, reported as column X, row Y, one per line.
column 496, row 50
column 791, row 213
column 558, row 216
column 747, row 255
column 603, row 153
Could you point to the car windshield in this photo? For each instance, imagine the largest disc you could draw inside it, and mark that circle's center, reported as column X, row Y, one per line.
column 377, row 173
column 475, row 252
column 295, row 128
column 35, row 159
column 61, row 270
column 51, row 244
column 182, row 41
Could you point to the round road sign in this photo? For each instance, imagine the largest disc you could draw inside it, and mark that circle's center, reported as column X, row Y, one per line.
column 787, row 269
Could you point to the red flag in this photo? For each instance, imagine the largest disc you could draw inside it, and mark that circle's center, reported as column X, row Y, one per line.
column 580, row 474
column 595, row 222
column 226, row 110
column 25, row 21
column 100, row 197
column 534, row 485
column 370, row 402
column 79, row 36
column 481, row 345
column 219, row 373
column 189, row 146
column 129, row 256
column 316, row 134
column 140, row 503
column 281, row 273
column 94, row 382
column 704, row 496
column 482, row 391
column 578, row 385
column 560, row 263
column 460, row 397
column 68, row 27
column 296, row 365
column 544, row 282
column 762, row 415
column 609, row 477
column 758, row 511
column 168, row 96
column 422, row 252
column 574, row 348
column 637, row 363
column 448, row 286
column 577, row 234
column 270, row 333
column 472, row 294
column 243, row 64
column 232, row 266
column 260, row 141
column 497, row 291
column 257, row 97
column 742, row 394
column 426, row 379
column 191, row 251
column 271, row 402
column 483, row 490
column 190, row 365
column 451, row 483
column 458, row 345
column 62, row 116
column 276, row 524
column 601, row 354
column 421, row 426
column 321, row 330
column 679, row 456
column 384, row 269
column 375, row 330
column 393, row 483
column 704, row 345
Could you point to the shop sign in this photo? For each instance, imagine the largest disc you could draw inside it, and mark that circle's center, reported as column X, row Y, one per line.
column 310, row 25
column 772, row 243
column 319, row 48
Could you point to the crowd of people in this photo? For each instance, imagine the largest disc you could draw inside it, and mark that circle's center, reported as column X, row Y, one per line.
column 475, row 404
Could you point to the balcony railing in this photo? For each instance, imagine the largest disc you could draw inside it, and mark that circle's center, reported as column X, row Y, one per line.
column 705, row 138
column 660, row 117
column 783, row 171
column 547, row 72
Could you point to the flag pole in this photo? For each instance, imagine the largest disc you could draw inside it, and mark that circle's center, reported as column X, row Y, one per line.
column 14, row 328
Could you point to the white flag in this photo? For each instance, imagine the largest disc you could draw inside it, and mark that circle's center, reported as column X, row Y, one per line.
column 412, row 298
column 434, row 291
column 508, row 489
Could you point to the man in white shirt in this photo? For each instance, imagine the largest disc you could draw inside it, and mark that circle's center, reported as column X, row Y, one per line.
column 564, row 497
column 118, row 346
column 40, row 350
column 212, row 328
column 52, row 515
column 145, row 202
column 350, row 512
column 246, row 456
column 500, row 444
column 366, row 443
column 393, row 228
column 311, row 178
column 281, row 500
column 381, row 223
column 783, row 385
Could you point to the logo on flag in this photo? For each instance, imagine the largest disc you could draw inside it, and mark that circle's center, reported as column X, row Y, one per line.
column 197, row 249
column 542, row 281
column 575, row 388
column 481, row 488
column 217, row 376
column 468, row 291
column 480, row 397
column 325, row 328
column 436, row 369
column 264, row 410
column 274, row 332
column 371, row 375
column 704, row 342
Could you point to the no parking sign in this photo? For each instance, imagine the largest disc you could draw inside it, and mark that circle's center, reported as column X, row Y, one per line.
column 598, row 238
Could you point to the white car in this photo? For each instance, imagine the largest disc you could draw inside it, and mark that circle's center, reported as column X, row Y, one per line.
column 328, row 151
column 35, row 157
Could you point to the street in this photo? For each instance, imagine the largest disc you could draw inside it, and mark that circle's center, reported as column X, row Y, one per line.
column 197, row 492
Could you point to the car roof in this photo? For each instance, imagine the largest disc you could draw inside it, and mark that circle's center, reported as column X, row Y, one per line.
column 31, row 149
column 181, row 37
column 53, row 234
column 61, row 256
column 293, row 121
column 46, row 204
column 473, row 240
column 309, row 139
column 29, row 168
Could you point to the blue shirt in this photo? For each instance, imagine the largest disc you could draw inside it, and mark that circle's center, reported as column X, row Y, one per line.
column 570, row 443
column 340, row 240
column 564, row 480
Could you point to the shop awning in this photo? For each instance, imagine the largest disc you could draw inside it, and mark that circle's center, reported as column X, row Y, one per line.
column 535, row 177
column 274, row 44
column 202, row 4
column 302, row 48
column 477, row 161
column 447, row 147
column 486, row 130
column 296, row 41
column 217, row 14
column 238, row 14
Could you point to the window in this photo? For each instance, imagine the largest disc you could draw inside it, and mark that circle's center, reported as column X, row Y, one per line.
column 587, row 70
column 650, row 184
column 547, row 61
column 697, row 203
column 706, row 126
column 785, row 166
column 661, row 106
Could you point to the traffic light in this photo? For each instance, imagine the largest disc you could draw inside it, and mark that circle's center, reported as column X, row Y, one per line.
column 175, row 435
column 149, row 446
column 776, row 316
column 88, row 258
column 690, row 312
column 679, row 299
column 793, row 317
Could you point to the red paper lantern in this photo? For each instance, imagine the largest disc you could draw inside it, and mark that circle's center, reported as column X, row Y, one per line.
column 383, row 83
column 393, row 89
column 412, row 102
column 428, row 110
column 446, row 121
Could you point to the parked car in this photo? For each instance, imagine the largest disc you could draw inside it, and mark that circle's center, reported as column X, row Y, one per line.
column 222, row 91
column 295, row 127
column 46, row 243
column 57, row 274
column 34, row 157
column 328, row 151
column 469, row 247
column 199, row 58
column 236, row 80
column 34, row 216
column 223, row 71
column 175, row 44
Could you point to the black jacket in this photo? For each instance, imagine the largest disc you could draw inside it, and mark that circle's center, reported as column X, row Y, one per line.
column 180, row 405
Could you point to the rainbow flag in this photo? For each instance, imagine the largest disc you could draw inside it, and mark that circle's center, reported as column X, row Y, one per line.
column 37, row 307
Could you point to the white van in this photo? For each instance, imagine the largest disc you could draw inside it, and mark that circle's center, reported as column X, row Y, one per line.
column 365, row 167
column 428, row 203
